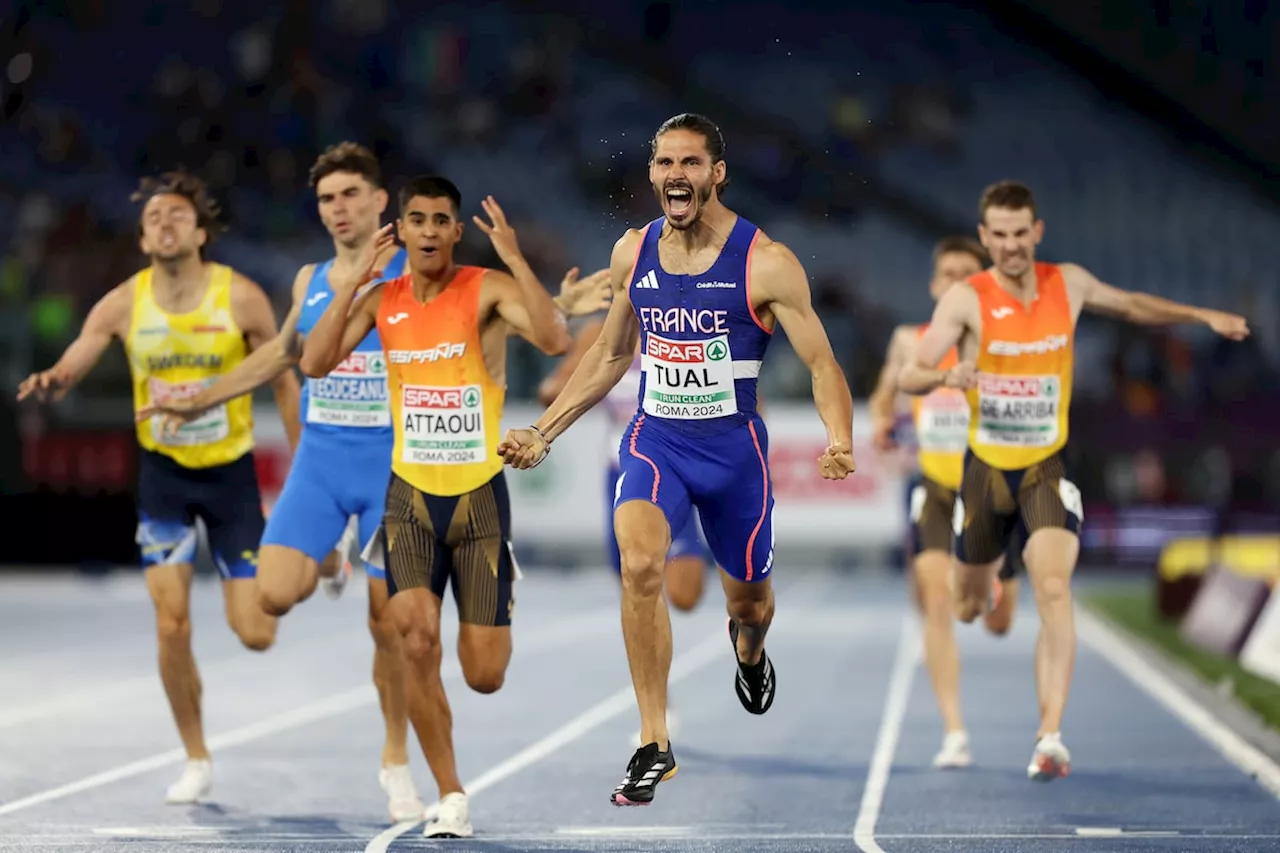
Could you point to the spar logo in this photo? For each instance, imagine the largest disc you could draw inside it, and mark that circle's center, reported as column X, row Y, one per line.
column 1018, row 386
column 363, row 363
column 685, row 352
column 416, row 397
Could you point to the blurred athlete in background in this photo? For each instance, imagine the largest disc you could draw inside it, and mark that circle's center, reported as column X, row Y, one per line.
column 940, row 425
column 184, row 322
column 1013, row 327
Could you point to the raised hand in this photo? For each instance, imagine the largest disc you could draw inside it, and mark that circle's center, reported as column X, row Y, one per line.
column 587, row 295
column 1231, row 326
column 364, row 267
column 500, row 232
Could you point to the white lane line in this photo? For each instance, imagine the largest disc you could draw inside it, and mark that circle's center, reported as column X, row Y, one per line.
column 1120, row 653
column 895, row 711
column 565, row 633
column 710, row 650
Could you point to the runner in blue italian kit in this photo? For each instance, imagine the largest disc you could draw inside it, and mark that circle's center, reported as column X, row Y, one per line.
column 702, row 289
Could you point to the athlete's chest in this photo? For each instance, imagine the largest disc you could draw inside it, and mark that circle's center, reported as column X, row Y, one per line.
column 201, row 341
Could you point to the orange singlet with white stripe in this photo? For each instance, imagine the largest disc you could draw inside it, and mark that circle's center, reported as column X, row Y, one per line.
column 942, row 429
column 445, row 407
column 1018, row 411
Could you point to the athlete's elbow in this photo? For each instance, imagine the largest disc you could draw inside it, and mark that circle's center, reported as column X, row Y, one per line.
column 555, row 343
column 312, row 367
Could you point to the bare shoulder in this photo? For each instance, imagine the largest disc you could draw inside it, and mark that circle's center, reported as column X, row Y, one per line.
column 1077, row 278
column 302, row 281
column 245, row 292
column 114, row 310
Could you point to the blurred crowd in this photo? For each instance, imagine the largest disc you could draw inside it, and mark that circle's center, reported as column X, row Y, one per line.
column 252, row 116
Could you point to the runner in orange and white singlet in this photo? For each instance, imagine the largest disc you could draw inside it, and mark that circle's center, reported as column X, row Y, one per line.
column 941, row 430
column 448, row 517
column 1014, row 328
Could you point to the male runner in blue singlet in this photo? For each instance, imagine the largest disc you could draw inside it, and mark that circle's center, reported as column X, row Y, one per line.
column 701, row 288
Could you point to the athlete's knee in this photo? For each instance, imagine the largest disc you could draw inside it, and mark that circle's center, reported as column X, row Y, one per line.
column 642, row 569
column 420, row 644
column 173, row 625
column 1053, row 589
column 933, row 587
column 684, row 582
column 257, row 635
column 484, row 652
column 749, row 604
column 284, row 578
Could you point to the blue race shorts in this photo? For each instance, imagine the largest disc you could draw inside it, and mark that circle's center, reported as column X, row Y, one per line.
column 330, row 481
column 724, row 476
column 686, row 542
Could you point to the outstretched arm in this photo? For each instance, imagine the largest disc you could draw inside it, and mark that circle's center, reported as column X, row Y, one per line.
column 882, row 401
column 108, row 319
column 785, row 291
column 1143, row 308
column 253, row 314
column 341, row 328
column 946, row 329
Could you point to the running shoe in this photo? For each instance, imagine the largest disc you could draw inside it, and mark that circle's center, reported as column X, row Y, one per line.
column 1050, row 761
column 756, row 683
column 646, row 769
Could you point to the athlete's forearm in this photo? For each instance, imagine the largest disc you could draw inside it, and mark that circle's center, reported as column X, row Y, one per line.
column 917, row 380
column 1147, row 310
column 550, row 331
column 80, row 357
column 263, row 365
column 595, row 377
column 322, row 349
column 285, row 389
column 834, row 403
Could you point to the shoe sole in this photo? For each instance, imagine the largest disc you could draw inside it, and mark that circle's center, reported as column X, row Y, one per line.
column 622, row 800
column 1046, row 770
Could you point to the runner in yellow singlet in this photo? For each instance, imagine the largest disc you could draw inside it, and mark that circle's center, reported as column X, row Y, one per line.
column 1014, row 327
column 184, row 322
column 448, row 517
column 941, row 426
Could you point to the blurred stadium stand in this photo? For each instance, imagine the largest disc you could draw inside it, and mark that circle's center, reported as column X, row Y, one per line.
column 857, row 133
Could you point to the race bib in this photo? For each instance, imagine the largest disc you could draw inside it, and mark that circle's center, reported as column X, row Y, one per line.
column 944, row 422
column 1018, row 411
column 442, row 426
column 353, row 395
column 209, row 428
column 688, row 380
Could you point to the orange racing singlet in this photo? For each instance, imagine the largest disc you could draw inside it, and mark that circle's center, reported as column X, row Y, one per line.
column 942, row 429
column 445, row 407
column 1018, row 411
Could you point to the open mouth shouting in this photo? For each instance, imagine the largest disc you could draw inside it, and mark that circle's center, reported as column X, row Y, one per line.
column 679, row 202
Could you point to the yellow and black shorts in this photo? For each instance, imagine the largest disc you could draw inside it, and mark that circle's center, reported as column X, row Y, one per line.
column 932, row 510
column 430, row 540
column 995, row 504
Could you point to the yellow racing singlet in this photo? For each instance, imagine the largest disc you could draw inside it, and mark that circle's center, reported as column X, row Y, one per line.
column 445, row 407
column 1018, row 411
column 176, row 355
column 942, row 429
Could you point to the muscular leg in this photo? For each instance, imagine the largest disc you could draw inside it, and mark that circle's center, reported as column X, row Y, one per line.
column 685, row 581
column 170, row 589
column 415, row 613
column 388, row 675
column 644, row 537
column 1051, row 555
column 941, row 655
column 286, row 577
column 971, row 588
column 484, row 652
column 750, row 606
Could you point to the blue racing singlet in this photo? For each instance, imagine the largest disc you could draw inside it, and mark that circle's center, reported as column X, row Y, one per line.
column 352, row 400
column 701, row 343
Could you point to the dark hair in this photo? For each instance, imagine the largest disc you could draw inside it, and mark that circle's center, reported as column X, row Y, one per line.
column 347, row 157
column 702, row 126
column 430, row 186
column 1011, row 195
column 961, row 245
column 193, row 189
